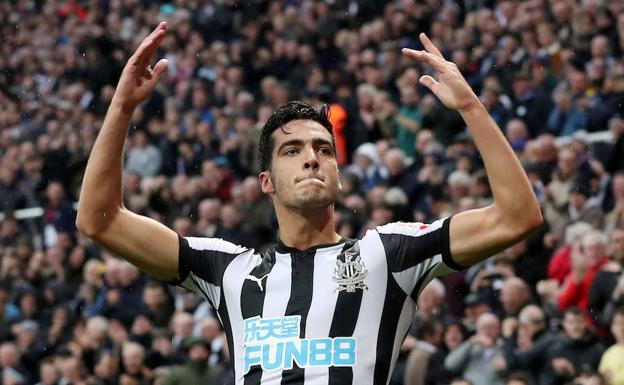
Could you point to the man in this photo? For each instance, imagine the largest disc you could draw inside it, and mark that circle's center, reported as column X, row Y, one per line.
column 317, row 307
column 588, row 256
column 576, row 351
column 196, row 370
column 612, row 361
column 474, row 359
column 527, row 349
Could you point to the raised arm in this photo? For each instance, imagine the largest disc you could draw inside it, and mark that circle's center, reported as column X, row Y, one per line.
column 101, row 214
column 478, row 234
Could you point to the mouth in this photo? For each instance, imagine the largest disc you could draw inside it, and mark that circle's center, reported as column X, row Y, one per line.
column 313, row 178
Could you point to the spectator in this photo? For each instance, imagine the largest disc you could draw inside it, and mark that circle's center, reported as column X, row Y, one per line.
column 528, row 347
column 607, row 288
column 197, row 370
column 425, row 363
column 611, row 361
column 577, row 351
column 474, row 357
column 514, row 296
column 143, row 158
column 133, row 362
column 588, row 256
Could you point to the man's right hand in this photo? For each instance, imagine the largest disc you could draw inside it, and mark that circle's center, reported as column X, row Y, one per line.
column 138, row 79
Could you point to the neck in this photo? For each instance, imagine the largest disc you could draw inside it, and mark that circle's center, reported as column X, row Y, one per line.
column 303, row 229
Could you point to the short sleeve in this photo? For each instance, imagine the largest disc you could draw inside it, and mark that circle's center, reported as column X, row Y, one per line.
column 417, row 253
column 202, row 263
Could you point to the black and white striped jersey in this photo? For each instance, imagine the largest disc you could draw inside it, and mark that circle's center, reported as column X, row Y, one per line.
column 332, row 314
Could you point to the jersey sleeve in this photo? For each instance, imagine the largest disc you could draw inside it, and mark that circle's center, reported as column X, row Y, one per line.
column 202, row 263
column 417, row 253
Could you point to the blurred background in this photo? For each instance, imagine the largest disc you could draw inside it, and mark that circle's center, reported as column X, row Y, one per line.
column 550, row 72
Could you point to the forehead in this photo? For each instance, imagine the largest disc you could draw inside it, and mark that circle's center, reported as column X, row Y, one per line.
column 299, row 130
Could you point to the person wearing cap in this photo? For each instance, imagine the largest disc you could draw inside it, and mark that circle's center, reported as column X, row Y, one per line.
column 196, row 370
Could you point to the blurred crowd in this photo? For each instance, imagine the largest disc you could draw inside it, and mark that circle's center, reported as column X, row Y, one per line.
column 547, row 311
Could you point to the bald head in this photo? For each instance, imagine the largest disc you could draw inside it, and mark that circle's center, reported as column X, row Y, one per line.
column 514, row 295
column 488, row 324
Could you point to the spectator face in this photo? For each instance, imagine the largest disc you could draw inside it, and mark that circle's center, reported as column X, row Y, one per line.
column 210, row 329
column 251, row 189
column 230, row 216
column 566, row 163
column 107, row 367
column 28, row 304
column 574, row 325
column 394, row 161
column 514, row 295
column 617, row 327
column 429, row 299
column 489, row 325
column 55, row 194
column 133, row 358
column 616, row 247
column 453, row 337
column 9, row 356
column 594, row 247
column 49, row 374
column 183, row 325
column 198, row 353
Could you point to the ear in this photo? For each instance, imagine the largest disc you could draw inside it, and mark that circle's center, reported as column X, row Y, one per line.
column 266, row 183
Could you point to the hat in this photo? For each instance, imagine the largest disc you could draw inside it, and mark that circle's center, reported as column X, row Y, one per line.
column 478, row 298
column 192, row 341
column 580, row 187
column 221, row 161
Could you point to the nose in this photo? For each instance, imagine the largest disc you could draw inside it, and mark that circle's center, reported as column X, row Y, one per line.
column 311, row 161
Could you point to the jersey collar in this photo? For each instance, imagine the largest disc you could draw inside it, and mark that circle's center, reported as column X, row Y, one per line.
column 283, row 249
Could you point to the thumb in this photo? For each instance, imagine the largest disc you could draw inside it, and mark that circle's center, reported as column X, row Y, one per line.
column 428, row 81
column 159, row 69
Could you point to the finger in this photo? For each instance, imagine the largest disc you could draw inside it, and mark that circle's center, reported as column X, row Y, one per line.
column 429, row 46
column 151, row 46
column 425, row 57
column 153, row 38
column 157, row 72
column 429, row 82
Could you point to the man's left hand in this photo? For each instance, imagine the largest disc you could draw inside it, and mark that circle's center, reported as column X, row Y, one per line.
column 449, row 85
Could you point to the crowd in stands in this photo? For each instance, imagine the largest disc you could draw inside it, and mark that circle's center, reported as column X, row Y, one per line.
column 547, row 311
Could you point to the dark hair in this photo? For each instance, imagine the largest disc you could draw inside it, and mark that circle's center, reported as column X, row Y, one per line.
column 519, row 376
column 427, row 328
column 574, row 310
column 619, row 310
column 290, row 111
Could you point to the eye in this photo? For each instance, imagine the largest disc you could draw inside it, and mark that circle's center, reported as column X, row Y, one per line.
column 325, row 150
column 290, row 152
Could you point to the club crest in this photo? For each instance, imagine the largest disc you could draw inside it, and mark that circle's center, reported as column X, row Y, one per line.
column 350, row 273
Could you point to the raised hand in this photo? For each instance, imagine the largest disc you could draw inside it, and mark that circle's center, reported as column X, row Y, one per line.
column 449, row 85
column 138, row 78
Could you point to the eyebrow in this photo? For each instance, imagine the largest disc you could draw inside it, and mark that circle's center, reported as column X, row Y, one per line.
column 299, row 142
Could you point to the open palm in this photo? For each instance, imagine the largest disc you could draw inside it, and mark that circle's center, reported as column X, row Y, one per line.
column 449, row 85
column 138, row 78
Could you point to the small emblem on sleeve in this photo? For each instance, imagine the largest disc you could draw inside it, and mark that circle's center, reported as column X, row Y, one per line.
column 350, row 273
